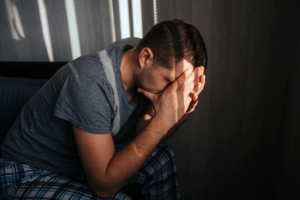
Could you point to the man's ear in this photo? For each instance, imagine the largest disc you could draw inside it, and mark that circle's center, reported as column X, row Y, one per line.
column 146, row 57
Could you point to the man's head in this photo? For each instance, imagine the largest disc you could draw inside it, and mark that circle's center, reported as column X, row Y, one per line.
column 168, row 49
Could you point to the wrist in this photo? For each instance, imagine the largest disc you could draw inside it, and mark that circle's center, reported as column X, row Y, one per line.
column 189, row 113
column 162, row 125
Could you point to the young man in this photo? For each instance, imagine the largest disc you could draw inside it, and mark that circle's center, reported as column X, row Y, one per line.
column 62, row 144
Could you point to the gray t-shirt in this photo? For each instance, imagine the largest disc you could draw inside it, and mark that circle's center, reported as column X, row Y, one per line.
column 87, row 92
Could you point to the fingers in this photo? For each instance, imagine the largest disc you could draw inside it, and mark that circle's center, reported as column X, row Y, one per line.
column 194, row 100
column 199, row 84
column 189, row 85
column 202, row 83
column 184, row 90
column 197, row 81
column 198, row 87
column 187, row 102
column 180, row 80
column 189, row 91
column 199, row 72
column 194, row 90
column 195, row 97
column 147, row 94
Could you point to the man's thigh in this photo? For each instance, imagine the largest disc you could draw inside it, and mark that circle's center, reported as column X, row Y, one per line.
column 20, row 181
column 157, row 177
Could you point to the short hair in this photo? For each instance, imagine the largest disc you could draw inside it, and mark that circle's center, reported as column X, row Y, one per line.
column 177, row 39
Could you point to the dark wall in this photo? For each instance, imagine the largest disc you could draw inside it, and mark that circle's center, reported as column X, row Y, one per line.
column 242, row 142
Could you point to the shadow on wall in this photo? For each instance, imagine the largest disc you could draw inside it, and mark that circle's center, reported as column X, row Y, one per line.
column 40, row 30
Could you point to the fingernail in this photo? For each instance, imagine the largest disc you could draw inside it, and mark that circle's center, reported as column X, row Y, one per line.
column 198, row 69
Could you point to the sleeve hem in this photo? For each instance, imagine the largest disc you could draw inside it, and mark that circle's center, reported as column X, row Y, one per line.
column 61, row 115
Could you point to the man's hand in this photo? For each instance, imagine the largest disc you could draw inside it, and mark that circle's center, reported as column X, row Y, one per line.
column 171, row 104
column 199, row 85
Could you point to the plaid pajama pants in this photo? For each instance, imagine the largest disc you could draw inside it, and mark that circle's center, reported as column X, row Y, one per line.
column 156, row 179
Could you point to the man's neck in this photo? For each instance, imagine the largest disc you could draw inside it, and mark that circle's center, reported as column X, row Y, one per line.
column 128, row 64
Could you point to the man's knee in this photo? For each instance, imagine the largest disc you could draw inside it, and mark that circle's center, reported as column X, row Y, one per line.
column 166, row 149
column 165, row 155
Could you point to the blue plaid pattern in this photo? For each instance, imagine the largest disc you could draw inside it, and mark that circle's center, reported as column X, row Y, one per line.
column 156, row 179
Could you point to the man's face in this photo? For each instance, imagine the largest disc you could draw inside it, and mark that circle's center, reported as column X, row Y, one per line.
column 155, row 80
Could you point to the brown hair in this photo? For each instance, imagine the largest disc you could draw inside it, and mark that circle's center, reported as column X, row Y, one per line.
column 175, row 40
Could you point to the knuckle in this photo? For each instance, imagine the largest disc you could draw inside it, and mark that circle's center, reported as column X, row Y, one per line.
column 186, row 75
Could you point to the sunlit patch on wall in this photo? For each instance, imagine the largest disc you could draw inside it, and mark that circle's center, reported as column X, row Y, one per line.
column 155, row 11
column 124, row 19
column 137, row 18
column 15, row 23
column 112, row 21
column 45, row 29
column 73, row 30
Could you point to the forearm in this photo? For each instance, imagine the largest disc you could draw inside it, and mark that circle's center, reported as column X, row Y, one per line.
column 141, row 124
column 129, row 160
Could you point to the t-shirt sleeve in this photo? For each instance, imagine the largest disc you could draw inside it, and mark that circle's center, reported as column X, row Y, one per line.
column 86, row 102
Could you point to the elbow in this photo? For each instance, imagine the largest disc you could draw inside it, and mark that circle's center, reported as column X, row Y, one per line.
column 103, row 192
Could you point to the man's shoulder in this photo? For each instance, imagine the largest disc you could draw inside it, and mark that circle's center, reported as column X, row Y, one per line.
column 100, row 68
column 87, row 64
column 82, row 76
column 102, row 61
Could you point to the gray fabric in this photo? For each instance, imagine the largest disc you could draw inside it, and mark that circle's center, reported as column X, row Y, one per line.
column 87, row 92
column 110, row 75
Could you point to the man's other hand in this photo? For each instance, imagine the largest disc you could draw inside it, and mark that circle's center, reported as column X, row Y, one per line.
column 199, row 85
column 171, row 104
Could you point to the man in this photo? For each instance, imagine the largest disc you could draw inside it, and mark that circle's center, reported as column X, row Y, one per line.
column 62, row 144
